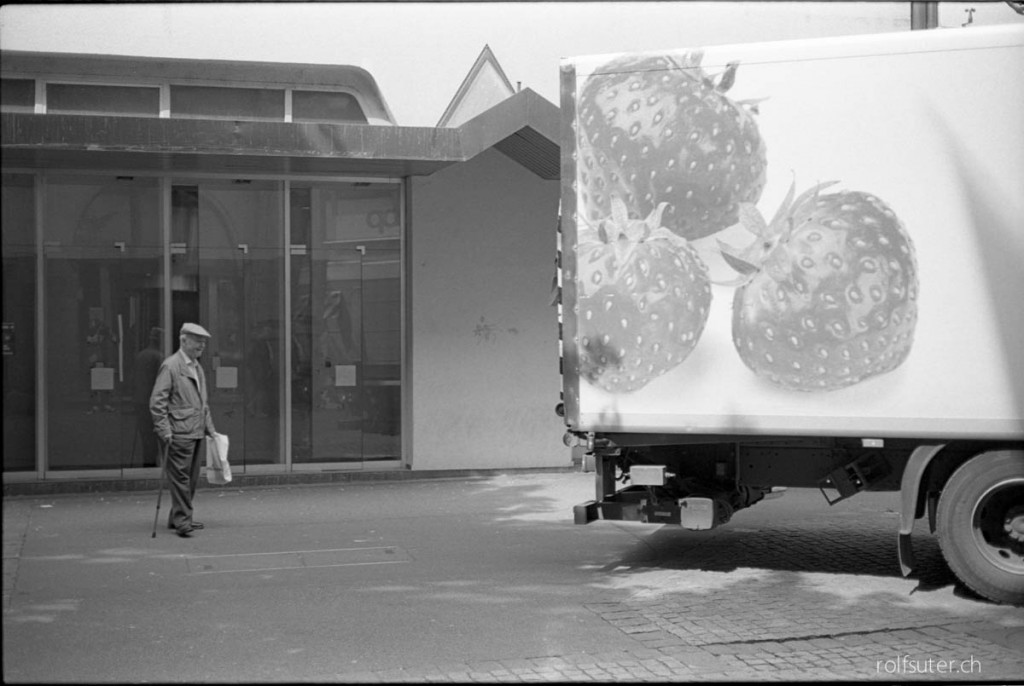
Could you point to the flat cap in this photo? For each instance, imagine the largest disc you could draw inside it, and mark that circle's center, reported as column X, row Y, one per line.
column 195, row 330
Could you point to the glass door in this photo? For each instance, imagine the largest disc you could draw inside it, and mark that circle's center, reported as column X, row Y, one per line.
column 82, row 371
column 19, row 322
column 346, row 320
column 139, row 319
column 338, row 403
column 227, row 240
column 103, row 272
column 382, row 334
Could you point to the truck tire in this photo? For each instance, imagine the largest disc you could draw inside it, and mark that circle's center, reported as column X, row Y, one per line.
column 980, row 522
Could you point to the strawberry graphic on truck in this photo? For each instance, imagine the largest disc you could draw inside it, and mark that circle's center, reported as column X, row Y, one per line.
column 661, row 130
column 832, row 295
column 644, row 298
column 832, row 288
column 865, row 337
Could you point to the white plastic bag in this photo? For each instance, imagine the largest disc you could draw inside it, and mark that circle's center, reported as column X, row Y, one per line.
column 218, row 471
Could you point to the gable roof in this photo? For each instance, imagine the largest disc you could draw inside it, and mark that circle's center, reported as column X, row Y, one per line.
column 484, row 86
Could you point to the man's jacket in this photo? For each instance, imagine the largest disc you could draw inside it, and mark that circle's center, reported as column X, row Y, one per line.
column 178, row 402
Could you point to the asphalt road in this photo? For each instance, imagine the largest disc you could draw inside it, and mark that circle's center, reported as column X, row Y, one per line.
column 480, row 579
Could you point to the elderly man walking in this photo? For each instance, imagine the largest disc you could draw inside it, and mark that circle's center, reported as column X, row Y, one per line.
column 181, row 419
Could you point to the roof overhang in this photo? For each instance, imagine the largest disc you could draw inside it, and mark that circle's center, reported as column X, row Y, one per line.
column 137, row 70
column 524, row 127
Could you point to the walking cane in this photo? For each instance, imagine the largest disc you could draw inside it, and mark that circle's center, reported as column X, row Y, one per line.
column 160, row 491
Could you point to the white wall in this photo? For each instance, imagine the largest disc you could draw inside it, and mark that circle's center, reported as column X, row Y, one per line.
column 484, row 336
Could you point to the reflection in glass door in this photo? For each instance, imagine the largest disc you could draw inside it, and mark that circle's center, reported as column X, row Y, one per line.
column 19, row 321
column 382, row 333
column 338, row 403
column 228, row 236
column 102, row 283
column 105, row 291
column 346, row 317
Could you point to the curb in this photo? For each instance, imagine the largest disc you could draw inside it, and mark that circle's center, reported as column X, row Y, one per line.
column 80, row 486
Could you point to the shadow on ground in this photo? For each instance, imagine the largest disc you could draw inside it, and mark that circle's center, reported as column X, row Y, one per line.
column 818, row 545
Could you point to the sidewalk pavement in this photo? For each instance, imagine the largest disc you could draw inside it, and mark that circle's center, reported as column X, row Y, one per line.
column 477, row 579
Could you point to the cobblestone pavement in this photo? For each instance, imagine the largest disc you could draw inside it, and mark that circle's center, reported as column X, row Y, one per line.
column 790, row 590
column 811, row 599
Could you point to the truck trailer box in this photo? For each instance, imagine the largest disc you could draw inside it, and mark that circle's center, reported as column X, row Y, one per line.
column 803, row 238
column 799, row 264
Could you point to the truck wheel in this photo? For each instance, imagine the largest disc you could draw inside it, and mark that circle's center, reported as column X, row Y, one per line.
column 981, row 525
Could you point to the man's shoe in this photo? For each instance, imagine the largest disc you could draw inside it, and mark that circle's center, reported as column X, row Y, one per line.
column 185, row 531
column 193, row 525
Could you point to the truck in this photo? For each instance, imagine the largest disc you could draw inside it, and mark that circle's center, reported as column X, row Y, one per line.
column 797, row 264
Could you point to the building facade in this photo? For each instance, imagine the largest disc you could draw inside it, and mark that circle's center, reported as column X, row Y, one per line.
column 380, row 296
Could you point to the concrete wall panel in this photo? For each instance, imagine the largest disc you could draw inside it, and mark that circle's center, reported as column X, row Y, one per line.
column 484, row 357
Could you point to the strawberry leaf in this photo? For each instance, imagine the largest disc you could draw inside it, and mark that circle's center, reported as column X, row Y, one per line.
column 784, row 207
column 727, row 78
column 738, row 265
column 653, row 221
column 804, row 197
column 752, row 221
column 797, row 211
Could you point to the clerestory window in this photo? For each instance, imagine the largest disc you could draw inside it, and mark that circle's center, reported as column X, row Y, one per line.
column 83, row 98
column 17, row 95
column 214, row 102
column 325, row 106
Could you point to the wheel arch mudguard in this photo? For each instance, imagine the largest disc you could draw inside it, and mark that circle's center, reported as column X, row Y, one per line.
column 910, row 491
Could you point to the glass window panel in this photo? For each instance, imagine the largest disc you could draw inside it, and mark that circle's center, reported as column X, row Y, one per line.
column 382, row 321
column 347, row 306
column 300, row 216
column 357, row 212
column 324, row 106
column 302, row 359
column 67, row 98
column 185, row 214
column 102, row 210
column 103, row 280
column 382, row 335
column 19, row 322
column 240, row 291
column 302, row 334
column 18, row 95
column 19, row 224
column 213, row 102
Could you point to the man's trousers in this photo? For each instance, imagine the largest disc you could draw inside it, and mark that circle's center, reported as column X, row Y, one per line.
column 183, row 466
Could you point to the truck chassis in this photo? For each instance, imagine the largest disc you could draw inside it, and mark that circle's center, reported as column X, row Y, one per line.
column 971, row 491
